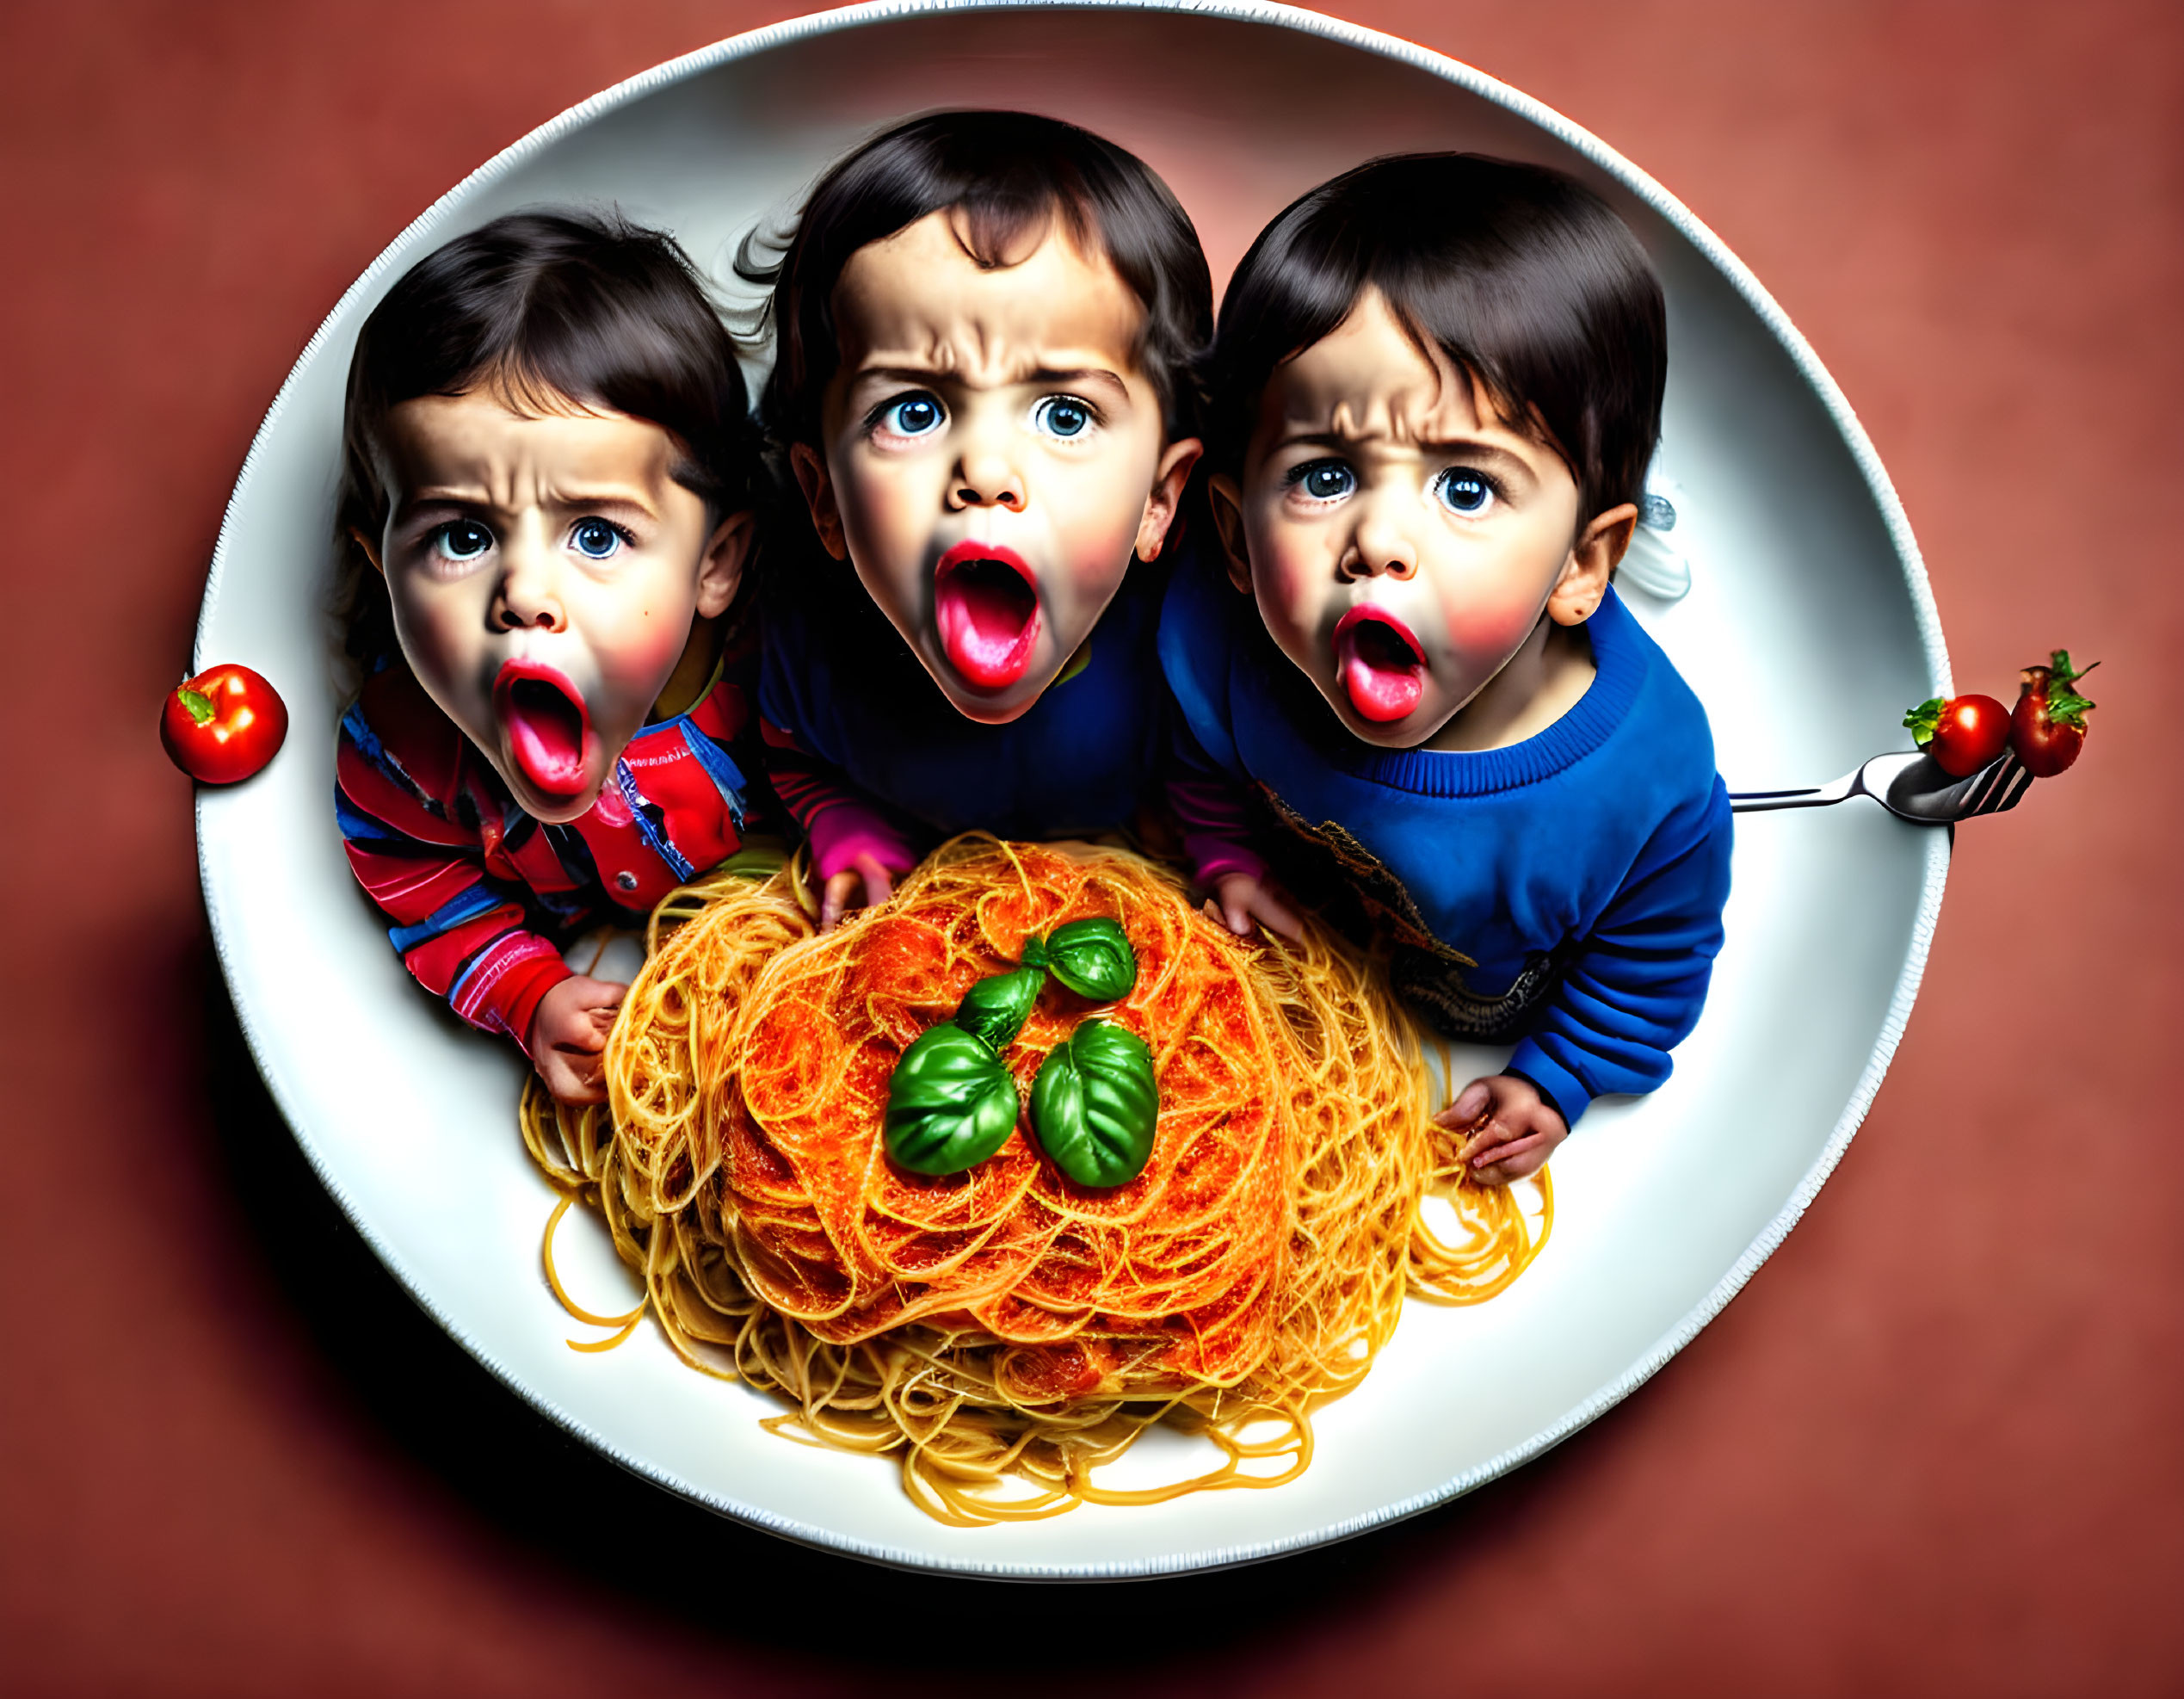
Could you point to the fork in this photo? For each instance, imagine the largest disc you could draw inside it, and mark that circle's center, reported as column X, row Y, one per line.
column 1910, row 785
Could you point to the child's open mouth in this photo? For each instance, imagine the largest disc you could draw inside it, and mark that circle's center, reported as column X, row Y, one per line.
column 547, row 727
column 1382, row 667
column 986, row 605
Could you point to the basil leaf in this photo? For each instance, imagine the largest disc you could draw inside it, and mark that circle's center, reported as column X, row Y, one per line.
column 1094, row 1102
column 1093, row 959
column 995, row 1008
column 951, row 1104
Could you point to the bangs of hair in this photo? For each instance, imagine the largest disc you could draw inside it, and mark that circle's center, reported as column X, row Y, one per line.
column 1009, row 176
column 1523, row 277
column 545, row 312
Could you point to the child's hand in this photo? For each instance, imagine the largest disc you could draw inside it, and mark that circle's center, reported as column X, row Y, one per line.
column 1239, row 900
column 569, row 1032
column 1522, row 1129
column 865, row 883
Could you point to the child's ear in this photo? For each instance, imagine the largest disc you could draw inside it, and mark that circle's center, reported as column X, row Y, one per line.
column 371, row 550
column 720, row 568
column 1225, row 498
column 1168, row 479
column 811, row 469
column 1592, row 561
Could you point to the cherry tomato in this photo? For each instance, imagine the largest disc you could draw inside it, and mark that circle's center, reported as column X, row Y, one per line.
column 1963, row 734
column 224, row 725
column 2047, row 726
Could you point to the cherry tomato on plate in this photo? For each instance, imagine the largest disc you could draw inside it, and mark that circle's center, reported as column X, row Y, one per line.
column 2047, row 727
column 224, row 725
column 1963, row 734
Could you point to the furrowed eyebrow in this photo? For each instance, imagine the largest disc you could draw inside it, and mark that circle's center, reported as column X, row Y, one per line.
column 1050, row 377
column 411, row 508
column 1087, row 377
column 428, row 500
column 575, row 502
column 1454, row 448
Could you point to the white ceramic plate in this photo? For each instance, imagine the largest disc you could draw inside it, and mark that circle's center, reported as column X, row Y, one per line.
column 1806, row 591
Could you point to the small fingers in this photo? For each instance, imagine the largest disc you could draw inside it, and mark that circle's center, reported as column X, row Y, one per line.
column 570, row 1083
column 1276, row 916
column 1470, row 1104
column 1500, row 1153
column 1503, row 1170
column 1229, row 911
column 841, row 893
column 880, row 883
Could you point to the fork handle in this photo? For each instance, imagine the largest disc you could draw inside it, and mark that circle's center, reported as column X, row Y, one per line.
column 1813, row 796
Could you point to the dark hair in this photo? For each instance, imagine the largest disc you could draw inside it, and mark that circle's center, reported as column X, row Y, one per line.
column 1522, row 276
column 1008, row 173
column 545, row 308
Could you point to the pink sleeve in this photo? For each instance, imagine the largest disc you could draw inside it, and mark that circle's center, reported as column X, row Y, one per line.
column 1216, row 829
column 841, row 822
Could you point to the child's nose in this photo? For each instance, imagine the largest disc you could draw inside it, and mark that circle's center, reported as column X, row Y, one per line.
column 1379, row 547
column 526, row 596
column 985, row 478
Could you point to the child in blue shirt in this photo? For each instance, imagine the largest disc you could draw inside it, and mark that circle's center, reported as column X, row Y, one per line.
column 1406, row 686
column 988, row 326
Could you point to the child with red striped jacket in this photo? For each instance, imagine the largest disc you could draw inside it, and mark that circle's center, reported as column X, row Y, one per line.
column 547, row 491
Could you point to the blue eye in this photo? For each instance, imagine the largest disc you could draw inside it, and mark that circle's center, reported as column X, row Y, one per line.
column 1464, row 491
column 596, row 539
column 1062, row 416
column 463, row 540
column 1324, row 480
column 917, row 416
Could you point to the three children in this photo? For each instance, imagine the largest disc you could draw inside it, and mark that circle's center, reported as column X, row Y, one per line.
column 1395, row 674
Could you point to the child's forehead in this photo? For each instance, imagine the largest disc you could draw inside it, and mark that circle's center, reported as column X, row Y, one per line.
column 919, row 297
column 1371, row 376
column 491, row 437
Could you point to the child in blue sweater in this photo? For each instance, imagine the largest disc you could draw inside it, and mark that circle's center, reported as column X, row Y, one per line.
column 1406, row 686
column 989, row 329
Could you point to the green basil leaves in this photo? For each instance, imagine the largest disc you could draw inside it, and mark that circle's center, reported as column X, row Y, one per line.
column 952, row 1100
column 951, row 1104
column 1093, row 959
column 996, row 1006
column 1094, row 1103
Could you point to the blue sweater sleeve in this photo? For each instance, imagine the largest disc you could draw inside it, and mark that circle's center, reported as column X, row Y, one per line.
column 1636, row 986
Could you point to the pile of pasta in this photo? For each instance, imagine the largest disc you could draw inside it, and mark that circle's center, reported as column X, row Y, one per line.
column 1004, row 1331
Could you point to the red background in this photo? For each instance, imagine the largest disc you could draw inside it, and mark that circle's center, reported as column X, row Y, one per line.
column 1933, row 1447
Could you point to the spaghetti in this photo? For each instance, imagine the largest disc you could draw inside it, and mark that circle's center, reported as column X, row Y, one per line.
column 1004, row 1332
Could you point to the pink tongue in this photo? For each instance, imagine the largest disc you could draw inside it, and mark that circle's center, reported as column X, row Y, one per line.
column 546, row 737
column 988, row 618
column 1378, row 690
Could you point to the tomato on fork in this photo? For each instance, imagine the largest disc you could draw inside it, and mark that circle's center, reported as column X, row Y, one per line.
column 1963, row 733
column 2047, row 727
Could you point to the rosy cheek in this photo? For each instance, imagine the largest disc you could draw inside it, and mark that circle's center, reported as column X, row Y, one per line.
column 1290, row 587
column 887, row 529
column 1489, row 626
column 1096, row 556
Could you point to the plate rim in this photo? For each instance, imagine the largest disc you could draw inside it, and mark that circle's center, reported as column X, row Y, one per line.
column 1926, row 615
